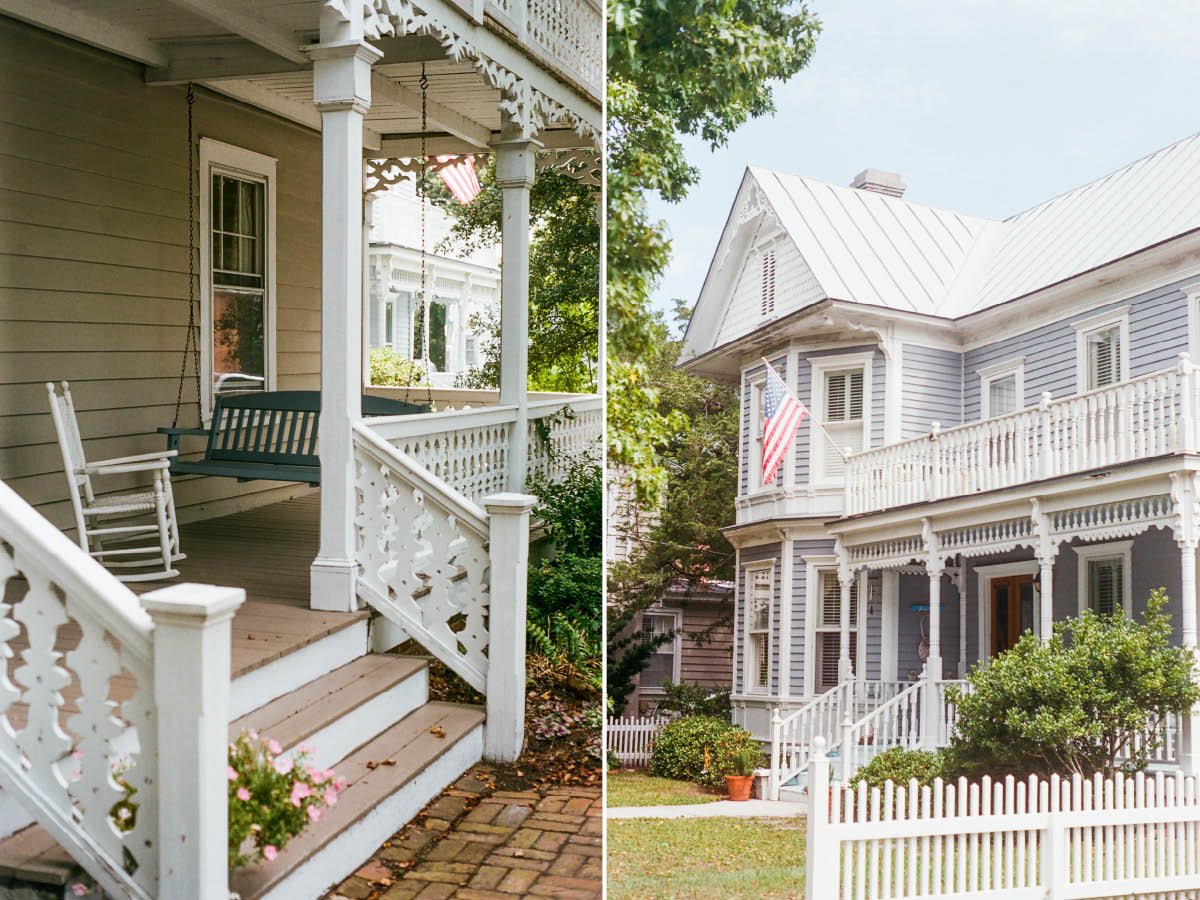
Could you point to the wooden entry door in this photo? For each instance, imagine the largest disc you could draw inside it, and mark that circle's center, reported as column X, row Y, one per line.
column 1012, row 610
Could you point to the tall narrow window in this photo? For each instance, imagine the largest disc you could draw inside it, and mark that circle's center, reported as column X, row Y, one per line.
column 768, row 282
column 1106, row 585
column 843, row 417
column 661, row 665
column 238, row 284
column 829, row 627
column 1104, row 357
column 1002, row 395
column 469, row 349
column 758, row 670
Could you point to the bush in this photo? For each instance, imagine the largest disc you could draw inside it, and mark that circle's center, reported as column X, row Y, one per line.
column 390, row 368
column 613, row 761
column 699, row 749
column 571, row 586
column 573, row 508
column 1075, row 703
column 692, row 700
column 900, row 766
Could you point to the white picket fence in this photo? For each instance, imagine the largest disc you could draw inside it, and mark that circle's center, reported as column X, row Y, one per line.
column 1034, row 839
column 631, row 737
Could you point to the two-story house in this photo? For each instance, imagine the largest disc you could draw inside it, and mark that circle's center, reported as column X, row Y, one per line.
column 1008, row 414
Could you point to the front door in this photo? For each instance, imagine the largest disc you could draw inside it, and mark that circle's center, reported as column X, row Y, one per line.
column 1012, row 610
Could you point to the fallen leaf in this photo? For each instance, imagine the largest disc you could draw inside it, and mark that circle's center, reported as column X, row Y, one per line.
column 389, row 762
column 371, row 764
column 436, row 731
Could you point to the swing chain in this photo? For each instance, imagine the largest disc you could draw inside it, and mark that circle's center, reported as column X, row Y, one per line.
column 192, row 340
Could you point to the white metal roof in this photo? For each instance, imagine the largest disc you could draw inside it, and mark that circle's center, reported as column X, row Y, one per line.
column 870, row 248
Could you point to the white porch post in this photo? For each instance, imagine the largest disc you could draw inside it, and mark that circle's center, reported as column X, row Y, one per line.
column 846, row 582
column 342, row 92
column 515, row 175
column 1046, row 551
column 960, row 589
column 931, row 706
column 1187, row 537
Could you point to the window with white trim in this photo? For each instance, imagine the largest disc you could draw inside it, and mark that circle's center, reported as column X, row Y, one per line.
column 238, row 270
column 843, row 413
column 829, row 629
column 768, row 282
column 1002, row 388
column 758, row 423
column 1105, row 577
column 663, row 662
column 469, row 349
column 1102, row 350
column 758, row 630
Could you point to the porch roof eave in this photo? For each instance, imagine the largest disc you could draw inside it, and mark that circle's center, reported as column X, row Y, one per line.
column 1124, row 481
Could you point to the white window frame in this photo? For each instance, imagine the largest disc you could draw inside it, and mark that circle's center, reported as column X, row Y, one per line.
column 748, row 667
column 676, row 617
column 1118, row 317
column 816, row 437
column 1090, row 552
column 988, row 374
column 757, row 386
column 216, row 157
column 814, row 566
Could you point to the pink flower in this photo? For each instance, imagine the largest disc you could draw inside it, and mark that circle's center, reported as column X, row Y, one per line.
column 79, row 889
column 330, row 797
column 243, row 794
column 231, row 773
column 304, row 748
column 300, row 790
column 78, row 754
column 269, row 852
column 284, row 764
column 327, row 774
column 314, row 813
column 339, row 784
column 273, row 746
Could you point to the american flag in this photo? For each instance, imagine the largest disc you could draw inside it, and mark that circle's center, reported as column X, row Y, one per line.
column 784, row 413
column 460, row 178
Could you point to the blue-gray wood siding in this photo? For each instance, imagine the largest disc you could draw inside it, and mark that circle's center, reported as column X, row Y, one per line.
column 874, row 601
column 748, row 379
column 800, row 608
column 750, row 555
column 931, row 389
column 913, row 625
column 1158, row 333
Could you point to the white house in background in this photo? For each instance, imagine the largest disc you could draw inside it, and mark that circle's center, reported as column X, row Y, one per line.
column 136, row 215
column 1020, row 415
column 459, row 288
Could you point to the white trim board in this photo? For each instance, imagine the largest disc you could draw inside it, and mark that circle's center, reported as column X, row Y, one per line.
column 748, row 568
column 1089, row 552
column 984, row 576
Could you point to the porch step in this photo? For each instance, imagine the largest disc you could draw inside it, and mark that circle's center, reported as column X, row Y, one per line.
column 343, row 709
column 31, row 854
column 375, row 803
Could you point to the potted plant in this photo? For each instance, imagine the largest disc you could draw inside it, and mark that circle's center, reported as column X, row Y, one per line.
column 745, row 761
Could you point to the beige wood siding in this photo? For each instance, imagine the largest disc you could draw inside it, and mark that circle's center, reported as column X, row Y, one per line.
column 707, row 663
column 93, row 260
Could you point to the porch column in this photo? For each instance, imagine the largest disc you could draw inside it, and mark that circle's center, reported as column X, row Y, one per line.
column 342, row 92
column 931, row 702
column 960, row 588
column 1046, row 550
column 1187, row 536
column 846, row 582
column 515, row 175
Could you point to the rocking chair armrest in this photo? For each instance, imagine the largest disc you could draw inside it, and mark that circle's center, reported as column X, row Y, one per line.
column 141, row 457
column 148, row 465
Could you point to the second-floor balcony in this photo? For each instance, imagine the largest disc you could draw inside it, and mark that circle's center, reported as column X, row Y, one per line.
column 1142, row 418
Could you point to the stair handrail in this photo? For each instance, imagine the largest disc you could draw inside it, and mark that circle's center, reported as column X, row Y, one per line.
column 898, row 718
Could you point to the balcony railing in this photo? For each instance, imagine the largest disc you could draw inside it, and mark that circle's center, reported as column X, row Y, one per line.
column 567, row 31
column 1148, row 416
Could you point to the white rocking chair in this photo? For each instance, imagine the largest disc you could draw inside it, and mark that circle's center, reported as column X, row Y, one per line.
column 90, row 512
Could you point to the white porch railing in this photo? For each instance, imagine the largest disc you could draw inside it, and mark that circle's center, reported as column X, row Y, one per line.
column 141, row 686
column 1007, row 840
column 567, row 31
column 792, row 736
column 1148, row 416
column 631, row 738
column 468, row 448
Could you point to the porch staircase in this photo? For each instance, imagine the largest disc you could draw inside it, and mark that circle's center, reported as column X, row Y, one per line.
column 367, row 716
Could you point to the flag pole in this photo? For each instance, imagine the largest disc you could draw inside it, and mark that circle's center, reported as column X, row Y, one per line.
column 811, row 417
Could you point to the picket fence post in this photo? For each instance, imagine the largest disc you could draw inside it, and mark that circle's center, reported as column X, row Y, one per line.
column 822, row 853
column 192, row 651
column 508, row 553
column 1053, row 863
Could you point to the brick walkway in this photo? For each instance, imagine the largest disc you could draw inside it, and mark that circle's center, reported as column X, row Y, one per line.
column 477, row 843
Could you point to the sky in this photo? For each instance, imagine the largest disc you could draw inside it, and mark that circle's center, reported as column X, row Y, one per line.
column 987, row 107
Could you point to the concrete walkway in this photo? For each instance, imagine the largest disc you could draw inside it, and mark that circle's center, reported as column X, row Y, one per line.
column 744, row 809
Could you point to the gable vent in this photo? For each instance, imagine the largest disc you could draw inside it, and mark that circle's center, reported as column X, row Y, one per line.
column 768, row 282
column 889, row 183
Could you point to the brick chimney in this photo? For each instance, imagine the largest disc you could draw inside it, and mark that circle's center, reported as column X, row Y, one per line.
column 880, row 182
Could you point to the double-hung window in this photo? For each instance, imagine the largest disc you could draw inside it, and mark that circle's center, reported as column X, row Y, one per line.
column 1105, row 577
column 238, row 270
column 829, row 627
column 663, row 662
column 1102, row 350
column 843, row 417
column 758, row 630
column 1002, row 388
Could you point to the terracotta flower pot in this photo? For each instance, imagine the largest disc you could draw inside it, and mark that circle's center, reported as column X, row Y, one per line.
column 739, row 786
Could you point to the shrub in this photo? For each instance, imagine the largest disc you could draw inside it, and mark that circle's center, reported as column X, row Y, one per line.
column 613, row 761
column 693, row 700
column 573, row 508
column 1075, row 703
column 272, row 797
column 569, row 585
column 390, row 368
column 900, row 766
column 699, row 749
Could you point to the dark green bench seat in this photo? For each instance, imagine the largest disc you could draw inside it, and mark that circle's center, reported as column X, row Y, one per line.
column 270, row 435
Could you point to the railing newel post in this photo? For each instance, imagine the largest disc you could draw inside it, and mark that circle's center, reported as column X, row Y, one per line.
column 1045, row 451
column 508, row 554
column 822, row 850
column 773, row 782
column 934, row 488
column 1187, row 397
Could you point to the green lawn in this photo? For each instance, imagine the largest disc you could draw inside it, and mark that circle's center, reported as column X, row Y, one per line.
column 714, row 859
column 640, row 789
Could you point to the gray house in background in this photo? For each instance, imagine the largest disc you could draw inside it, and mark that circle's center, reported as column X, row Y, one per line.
column 1011, row 411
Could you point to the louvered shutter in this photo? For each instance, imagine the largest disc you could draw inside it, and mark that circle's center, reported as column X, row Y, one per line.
column 1104, row 357
column 843, row 418
column 831, row 602
column 768, row 282
column 829, row 651
column 1106, row 585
